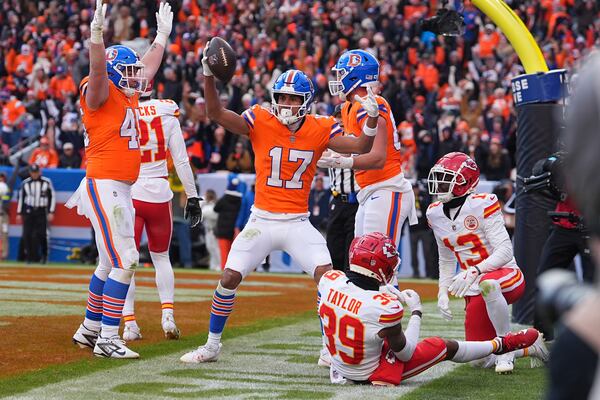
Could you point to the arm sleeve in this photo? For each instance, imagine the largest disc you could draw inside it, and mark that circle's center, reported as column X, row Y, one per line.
column 52, row 195
column 181, row 162
column 496, row 233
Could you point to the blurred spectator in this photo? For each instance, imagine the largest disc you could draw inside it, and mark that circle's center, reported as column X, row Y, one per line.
column 69, row 158
column 62, row 86
column 239, row 161
column 209, row 219
column 318, row 204
column 123, row 25
column 52, row 132
column 245, row 210
column 426, row 154
column 497, row 163
column 13, row 114
column 448, row 142
column 228, row 207
column 44, row 156
column 218, row 150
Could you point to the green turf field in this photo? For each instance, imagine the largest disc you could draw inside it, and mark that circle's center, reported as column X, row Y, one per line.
column 272, row 359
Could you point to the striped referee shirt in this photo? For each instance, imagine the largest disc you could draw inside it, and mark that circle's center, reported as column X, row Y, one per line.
column 342, row 181
column 35, row 195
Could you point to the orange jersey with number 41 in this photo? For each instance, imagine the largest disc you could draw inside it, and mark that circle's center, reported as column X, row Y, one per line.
column 286, row 162
column 354, row 117
column 112, row 149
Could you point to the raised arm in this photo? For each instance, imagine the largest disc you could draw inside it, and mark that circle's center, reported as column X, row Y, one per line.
column 153, row 57
column 97, row 87
column 228, row 119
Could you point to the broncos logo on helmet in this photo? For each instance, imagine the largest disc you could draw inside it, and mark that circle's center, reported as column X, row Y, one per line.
column 125, row 70
column 354, row 68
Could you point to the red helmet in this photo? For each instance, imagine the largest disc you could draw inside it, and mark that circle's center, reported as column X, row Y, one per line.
column 374, row 255
column 147, row 94
column 453, row 175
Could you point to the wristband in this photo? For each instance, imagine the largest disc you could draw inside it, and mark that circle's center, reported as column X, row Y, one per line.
column 96, row 36
column 369, row 131
column 161, row 38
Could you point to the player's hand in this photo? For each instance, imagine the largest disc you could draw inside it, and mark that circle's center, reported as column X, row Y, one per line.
column 369, row 103
column 444, row 304
column 193, row 211
column 463, row 281
column 335, row 162
column 411, row 299
column 205, row 68
column 50, row 217
column 97, row 25
column 164, row 18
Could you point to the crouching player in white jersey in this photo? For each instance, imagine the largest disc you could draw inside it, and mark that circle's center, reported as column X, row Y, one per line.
column 469, row 229
column 160, row 135
column 361, row 318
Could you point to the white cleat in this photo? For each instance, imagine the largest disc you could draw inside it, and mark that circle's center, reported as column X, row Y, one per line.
column 113, row 347
column 539, row 352
column 85, row 338
column 170, row 328
column 505, row 364
column 324, row 358
column 202, row 354
column 131, row 333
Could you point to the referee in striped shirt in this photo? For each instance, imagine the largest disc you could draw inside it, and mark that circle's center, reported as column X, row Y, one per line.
column 35, row 209
column 342, row 210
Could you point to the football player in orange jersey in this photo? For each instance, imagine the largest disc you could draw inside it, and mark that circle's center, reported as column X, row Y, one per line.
column 287, row 141
column 109, row 100
column 386, row 198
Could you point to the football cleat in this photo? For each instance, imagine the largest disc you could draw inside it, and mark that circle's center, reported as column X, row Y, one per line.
column 324, row 358
column 539, row 352
column 505, row 364
column 170, row 328
column 113, row 347
column 85, row 337
column 202, row 354
column 519, row 340
column 131, row 332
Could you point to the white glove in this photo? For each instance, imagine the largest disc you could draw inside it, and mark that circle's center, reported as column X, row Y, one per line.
column 335, row 162
column 463, row 281
column 444, row 304
column 391, row 289
column 164, row 23
column 205, row 68
column 97, row 25
column 411, row 299
column 369, row 103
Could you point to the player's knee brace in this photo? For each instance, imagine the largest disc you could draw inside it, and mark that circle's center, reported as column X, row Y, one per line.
column 490, row 289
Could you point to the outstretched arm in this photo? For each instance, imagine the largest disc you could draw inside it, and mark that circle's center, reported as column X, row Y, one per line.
column 153, row 57
column 96, row 92
column 228, row 119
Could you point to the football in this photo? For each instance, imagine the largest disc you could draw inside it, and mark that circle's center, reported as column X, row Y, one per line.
column 221, row 59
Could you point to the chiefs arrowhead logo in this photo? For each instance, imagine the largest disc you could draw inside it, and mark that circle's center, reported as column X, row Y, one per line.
column 389, row 250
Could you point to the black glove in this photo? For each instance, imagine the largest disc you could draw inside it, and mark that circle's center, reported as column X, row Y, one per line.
column 193, row 211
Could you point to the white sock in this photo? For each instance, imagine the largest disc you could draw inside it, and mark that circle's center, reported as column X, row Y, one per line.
column 108, row 331
column 92, row 325
column 128, row 307
column 496, row 305
column 469, row 351
column 165, row 279
column 213, row 339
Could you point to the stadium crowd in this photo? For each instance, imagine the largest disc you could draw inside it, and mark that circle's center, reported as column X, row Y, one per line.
column 446, row 93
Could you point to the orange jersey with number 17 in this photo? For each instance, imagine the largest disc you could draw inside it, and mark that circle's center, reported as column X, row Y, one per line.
column 286, row 162
column 354, row 117
column 112, row 148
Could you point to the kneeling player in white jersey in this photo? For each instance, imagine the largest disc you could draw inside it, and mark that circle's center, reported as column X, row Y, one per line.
column 160, row 134
column 361, row 319
column 469, row 229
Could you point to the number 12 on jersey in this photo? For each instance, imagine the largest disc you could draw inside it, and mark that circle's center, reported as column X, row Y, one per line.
column 276, row 154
